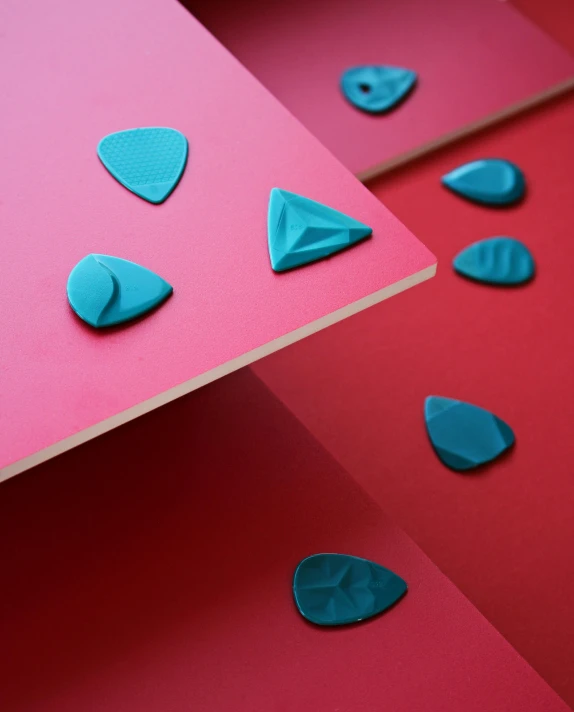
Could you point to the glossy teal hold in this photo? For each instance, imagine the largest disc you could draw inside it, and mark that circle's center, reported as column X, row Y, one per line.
column 377, row 88
column 496, row 260
column 336, row 589
column 105, row 290
column 147, row 161
column 490, row 181
column 301, row 230
column 465, row 436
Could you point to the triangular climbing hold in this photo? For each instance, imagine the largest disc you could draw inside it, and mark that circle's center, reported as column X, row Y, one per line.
column 490, row 181
column 377, row 88
column 301, row 230
column 465, row 436
column 147, row 161
column 105, row 290
column 496, row 260
column 336, row 589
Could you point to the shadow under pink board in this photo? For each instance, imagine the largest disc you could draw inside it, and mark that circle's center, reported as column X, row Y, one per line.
column 127, row 591
column 477, row 61
column 80, row 71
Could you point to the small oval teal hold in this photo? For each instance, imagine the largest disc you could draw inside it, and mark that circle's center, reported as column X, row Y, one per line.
column 489, row 181
column 147, row 161
column 337, row 589
column 377, row 88
column 104, row 290
column 463, row 435
column 496, row 260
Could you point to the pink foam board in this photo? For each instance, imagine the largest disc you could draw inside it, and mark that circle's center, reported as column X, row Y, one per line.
column 478, row 61
column 72, row 73
column 124, row 590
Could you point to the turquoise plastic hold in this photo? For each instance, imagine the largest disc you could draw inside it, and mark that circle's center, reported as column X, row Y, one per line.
column 377, row 88
column 336, row 589
column 148, row 161
column 490, row 181
column 104, row 290
column 301, row 230
column 465, row 436
column 496, row 260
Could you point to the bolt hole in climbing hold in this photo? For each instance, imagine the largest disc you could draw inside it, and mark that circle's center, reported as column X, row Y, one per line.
column 365, row 88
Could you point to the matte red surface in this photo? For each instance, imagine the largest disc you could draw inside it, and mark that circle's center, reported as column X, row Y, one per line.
column 506, row 535
column 556, row 17
column 150, row 570
column 475, row 58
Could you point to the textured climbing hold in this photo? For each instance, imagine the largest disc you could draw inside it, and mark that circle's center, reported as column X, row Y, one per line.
column 496, row 260
column 301, row 230
column 335, row 589
column 377, row 88
column 490, row 181
column 105, row 290
column 465, row 436
column 147, row 161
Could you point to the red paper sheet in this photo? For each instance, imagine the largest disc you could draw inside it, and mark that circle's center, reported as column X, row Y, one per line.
column 556, row 17
column 505, row 536
column 151, row 570
column 476, row 60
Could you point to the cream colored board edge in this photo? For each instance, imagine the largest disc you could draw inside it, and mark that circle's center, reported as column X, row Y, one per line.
column 380, row 169
column 223, row 370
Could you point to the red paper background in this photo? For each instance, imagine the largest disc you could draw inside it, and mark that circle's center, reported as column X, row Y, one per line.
column 504, row 536
column 556, row 17
column 151, row 570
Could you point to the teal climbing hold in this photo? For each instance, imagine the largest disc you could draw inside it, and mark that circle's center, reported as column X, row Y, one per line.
column 147, row 161
column 301, row 230
column 105, row 290
column 377, row 88
column 337, row 589
column 490, row 181
column 496, row 260
column 465, row 436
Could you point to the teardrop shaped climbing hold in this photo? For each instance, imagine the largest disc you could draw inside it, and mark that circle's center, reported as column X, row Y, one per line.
column 489, row 181
column 496, row 260
column 104, row 290
column 147, row 161
column 377, row 88
column 465, row 436
column 337, row 589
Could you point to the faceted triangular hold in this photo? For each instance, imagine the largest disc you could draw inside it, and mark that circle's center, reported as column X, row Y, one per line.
column 465, row 436
column 336, row 589
column 105, row 290
column 301, row 230
column 490, row 181
column 496, row 260
column 377, row 88
column 147, row 161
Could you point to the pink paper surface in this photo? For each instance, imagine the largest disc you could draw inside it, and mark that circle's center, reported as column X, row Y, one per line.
column 150, row 570
column 474, row 58
column 70, row 73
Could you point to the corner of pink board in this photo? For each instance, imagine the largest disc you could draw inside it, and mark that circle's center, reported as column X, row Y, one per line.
column 96, row 72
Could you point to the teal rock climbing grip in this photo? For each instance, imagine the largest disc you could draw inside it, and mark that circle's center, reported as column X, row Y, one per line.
column 338, row 589
column 104, row 290
column 465, row 436
column 489, row 181
column 147, row 161
column 377, row 88
column 497, row 260
column 301, row 230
